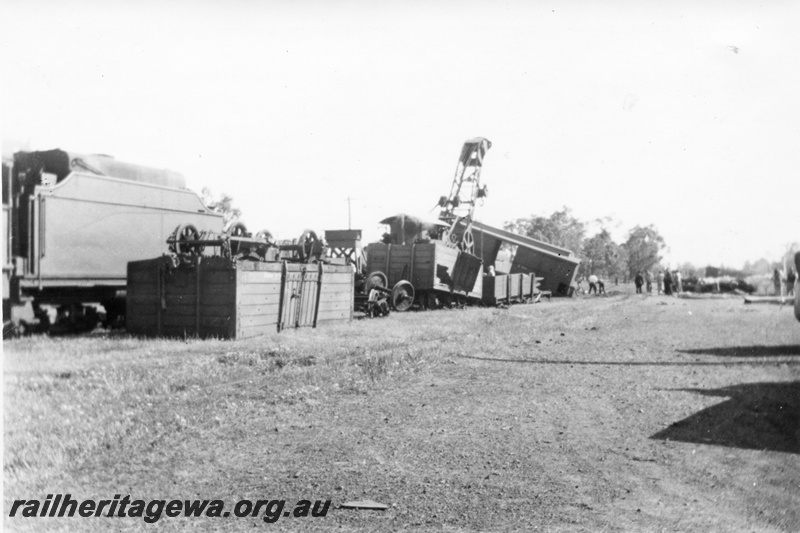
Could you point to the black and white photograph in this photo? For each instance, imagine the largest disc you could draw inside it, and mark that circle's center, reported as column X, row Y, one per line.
column 400, row 266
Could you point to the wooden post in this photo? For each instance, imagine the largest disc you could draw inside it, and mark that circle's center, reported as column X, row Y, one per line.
column 281, row 296
column 299, row 307
column 160, row 299
column 413, row 258
column 197, row 297
column 319, row 292
column 388, row 259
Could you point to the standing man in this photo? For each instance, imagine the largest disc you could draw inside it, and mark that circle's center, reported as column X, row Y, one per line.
column 592, row 284
column 649, row 279
column 660, row 281
column 639, row 281
column 678, row 281
column 668, row 283
column 791, row 278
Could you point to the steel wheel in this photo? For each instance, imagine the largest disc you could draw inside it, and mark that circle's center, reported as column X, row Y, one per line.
column 310, row 246
column 375, row 279
column 183, row 234
column 265, row 235
column 402, row 296
column 235, row 229
column 262, row 247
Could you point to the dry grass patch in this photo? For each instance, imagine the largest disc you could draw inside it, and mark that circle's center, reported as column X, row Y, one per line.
column 549, row 415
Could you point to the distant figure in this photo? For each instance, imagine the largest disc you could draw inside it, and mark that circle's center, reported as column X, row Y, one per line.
column 668, row 283
column 579, row 286
column 491, row 273
column 776, row 280
column 601, row 287
column 660, row 281
column 616, row 280
column 592, row 284
column 678, row 281
column 791, row 278
column 639, row 281
column 648, row 277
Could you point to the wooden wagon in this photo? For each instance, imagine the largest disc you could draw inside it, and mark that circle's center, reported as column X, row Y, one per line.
column 510, row 288
column 216, row 297
column 433, row 271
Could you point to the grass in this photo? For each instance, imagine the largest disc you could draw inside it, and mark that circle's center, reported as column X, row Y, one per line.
column 582, row 414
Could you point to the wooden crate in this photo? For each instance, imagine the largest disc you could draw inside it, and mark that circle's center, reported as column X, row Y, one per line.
column 495, row 290
column 428, row 266
column 214, row 297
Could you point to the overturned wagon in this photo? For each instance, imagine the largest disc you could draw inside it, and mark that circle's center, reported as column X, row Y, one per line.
column 217, row 297
column 557, row 266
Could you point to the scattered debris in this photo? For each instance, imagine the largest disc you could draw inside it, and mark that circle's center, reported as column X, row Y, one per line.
column 780, row 300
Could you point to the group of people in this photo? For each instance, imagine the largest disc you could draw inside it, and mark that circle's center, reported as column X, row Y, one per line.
column 789, row 280
column 596, row 285
column 669, row 283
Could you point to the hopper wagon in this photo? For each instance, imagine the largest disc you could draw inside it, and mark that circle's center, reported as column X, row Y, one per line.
column 556, row 266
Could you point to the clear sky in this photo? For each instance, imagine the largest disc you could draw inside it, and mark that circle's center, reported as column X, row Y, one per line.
column 684, row 115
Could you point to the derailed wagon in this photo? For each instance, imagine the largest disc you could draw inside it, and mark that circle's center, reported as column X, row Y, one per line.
column 434, row 262
column 556, row 266
column 431, row 262
column 430, row 273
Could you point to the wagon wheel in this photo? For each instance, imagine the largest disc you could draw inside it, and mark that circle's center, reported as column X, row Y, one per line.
column 309, row 246
column 235, row 229
column 262, row 247
column 402, row 296
column 266, row 236
column 181, row 236
column 375, row 279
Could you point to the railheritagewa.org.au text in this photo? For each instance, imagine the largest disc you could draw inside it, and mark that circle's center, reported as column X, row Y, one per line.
column 64, row 505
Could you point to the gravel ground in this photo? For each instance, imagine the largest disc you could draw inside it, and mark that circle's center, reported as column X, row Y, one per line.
column 617, row 413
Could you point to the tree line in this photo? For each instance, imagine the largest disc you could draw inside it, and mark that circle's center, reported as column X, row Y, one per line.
column 599, row 254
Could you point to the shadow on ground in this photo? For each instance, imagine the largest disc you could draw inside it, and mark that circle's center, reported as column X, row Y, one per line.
column 747, row 351
column 751, row 362
column 759, row 416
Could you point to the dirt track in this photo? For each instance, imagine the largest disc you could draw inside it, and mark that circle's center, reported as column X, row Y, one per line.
column 623, row 413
